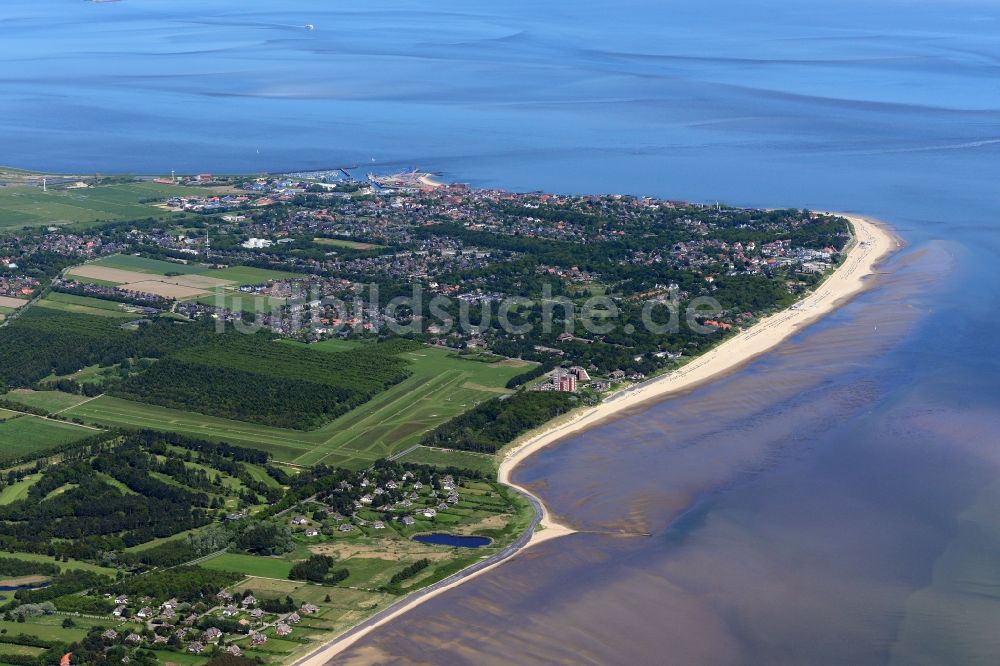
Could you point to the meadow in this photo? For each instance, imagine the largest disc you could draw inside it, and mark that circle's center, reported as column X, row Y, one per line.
column 22, row 206
column 252, row 565
column 423, row 455
column 83, row 305
column 351, row 245
column 27, row 435
column 18, row 490
column 50, row 401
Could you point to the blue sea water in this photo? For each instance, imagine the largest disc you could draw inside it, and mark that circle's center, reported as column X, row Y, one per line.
column 838, row 500
column 453, row 540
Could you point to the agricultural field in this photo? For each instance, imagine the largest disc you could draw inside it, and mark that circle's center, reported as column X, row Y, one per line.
column 28, row 435
column 182, row 281
column 10, row 304
column 441, row 386
column 22, row 206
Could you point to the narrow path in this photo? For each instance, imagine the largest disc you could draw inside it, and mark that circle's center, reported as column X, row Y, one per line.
column 83, row 402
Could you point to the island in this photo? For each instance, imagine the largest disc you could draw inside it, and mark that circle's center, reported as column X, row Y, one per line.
column 248, row 418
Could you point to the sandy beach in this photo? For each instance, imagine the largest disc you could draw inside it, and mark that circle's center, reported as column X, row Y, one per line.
column 872, row 244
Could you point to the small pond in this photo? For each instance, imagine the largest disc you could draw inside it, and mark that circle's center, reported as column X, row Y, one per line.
column 440, row 539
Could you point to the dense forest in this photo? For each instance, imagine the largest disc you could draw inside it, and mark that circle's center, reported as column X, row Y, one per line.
column 256, row 378
column 42, row 342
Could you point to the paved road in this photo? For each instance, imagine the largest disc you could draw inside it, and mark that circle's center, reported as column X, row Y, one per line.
column 504, row 554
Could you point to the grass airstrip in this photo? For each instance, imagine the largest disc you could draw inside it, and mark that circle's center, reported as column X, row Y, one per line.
column 441, row 386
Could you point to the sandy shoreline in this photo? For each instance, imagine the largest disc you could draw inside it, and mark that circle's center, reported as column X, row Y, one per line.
column 873, row 243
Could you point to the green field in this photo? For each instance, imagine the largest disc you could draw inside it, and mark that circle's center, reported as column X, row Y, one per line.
column 244, row 275
column 49, row 627
column 30, row 206
column 131, row 262
column 441, row 386
column 84, row 305
column 65, row 566
column 30, row 434
column 19, row 650
column 50, row 401
column 19, row 489
column 166, row 657
column 353, row 245
column 251, row 565
column 446, row 457
column 236, row 301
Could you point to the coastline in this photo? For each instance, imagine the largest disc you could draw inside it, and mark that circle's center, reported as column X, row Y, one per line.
column 872, row 243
